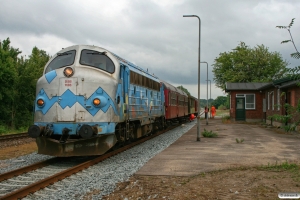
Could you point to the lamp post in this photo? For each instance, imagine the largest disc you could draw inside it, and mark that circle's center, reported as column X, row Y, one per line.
column 206, row 90
column 209, row 94
column 198, row 117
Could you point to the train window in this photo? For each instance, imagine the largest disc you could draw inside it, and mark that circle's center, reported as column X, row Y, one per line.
column 61, row 60
column 144, row 81
column 135, row 78
column 97, row 59
column 140, row 80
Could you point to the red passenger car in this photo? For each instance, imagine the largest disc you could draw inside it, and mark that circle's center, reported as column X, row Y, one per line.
column 193, row 106
column 176, row 102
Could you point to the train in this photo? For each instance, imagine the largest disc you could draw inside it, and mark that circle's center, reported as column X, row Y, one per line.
column 89, row 100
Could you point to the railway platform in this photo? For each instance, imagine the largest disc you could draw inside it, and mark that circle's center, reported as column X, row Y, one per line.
column 237, row 145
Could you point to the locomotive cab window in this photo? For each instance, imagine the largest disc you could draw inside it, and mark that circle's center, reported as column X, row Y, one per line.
column 61, row 60
column 97, row 59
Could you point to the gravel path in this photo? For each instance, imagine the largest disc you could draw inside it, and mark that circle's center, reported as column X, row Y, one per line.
column 100, row 179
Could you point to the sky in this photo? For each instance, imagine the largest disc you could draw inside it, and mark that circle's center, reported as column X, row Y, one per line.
column 153, row 34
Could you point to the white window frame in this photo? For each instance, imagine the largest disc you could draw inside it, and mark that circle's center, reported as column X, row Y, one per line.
column 245, row 95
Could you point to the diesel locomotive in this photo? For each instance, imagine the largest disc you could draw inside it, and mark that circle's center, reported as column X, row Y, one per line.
column 88, row 99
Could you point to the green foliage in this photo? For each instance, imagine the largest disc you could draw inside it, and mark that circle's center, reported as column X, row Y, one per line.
column 209, row 134
column 225, row 118
column 288, row 28
column 280, row 167
column 245, row 64
column 184, row 89
column 239, row 141
column 18, row 77
column 222, row 107
column 9, row 64
column 31, row 70
column 293, row 73
column 221, row 100
column 3, row 129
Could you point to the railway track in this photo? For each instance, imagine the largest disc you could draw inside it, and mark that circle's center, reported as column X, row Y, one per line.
column 21, row 182
column 13, row 136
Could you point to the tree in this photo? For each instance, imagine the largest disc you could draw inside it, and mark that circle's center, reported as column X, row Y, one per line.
column 184, row 89
column 296, row 54
column 294, row 72
column 18, row 77
column 8, row 79
column 245, row 64
column 220, row 100
column 28, row 74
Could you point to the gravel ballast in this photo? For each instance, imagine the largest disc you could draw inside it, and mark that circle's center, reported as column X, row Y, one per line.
column 100, row 179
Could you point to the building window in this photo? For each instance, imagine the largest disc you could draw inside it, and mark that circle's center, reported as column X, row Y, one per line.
column 249, row 100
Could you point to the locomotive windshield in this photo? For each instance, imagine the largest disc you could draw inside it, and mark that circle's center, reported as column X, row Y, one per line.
column 61, row 60
column 97, row 59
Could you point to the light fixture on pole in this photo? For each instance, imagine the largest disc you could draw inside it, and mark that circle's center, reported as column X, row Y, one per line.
column 198, row 116
column 206, row 91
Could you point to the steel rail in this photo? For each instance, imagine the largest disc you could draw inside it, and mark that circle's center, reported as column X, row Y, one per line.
column 13, row 136
column 20, row 193
column 28, row 168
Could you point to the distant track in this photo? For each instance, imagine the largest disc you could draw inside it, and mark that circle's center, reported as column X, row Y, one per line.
column 13, row 136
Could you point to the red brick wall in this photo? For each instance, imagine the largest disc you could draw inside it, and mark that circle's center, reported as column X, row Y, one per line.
column 255, row 114
column 294, row 98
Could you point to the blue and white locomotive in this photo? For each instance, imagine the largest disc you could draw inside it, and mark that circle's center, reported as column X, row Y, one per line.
column 88, row 99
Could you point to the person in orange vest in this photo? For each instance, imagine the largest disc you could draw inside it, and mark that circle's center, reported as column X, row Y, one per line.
column 213, row 111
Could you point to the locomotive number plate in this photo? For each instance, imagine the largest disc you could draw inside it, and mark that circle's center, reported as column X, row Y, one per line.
column 68, row 82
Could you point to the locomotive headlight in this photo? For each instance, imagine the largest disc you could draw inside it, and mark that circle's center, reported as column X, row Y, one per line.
column 96, row 102
column 40, row 102
column 68, row 72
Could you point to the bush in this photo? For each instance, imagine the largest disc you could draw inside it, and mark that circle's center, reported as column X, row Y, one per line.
column 209, row 134
column 221, row 107
column 3, row 129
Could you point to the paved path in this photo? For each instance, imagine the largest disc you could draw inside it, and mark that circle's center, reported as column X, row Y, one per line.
column 188, row 157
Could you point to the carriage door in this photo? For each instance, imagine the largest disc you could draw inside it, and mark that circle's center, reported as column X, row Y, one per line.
column 66, row 99
column 240, row 112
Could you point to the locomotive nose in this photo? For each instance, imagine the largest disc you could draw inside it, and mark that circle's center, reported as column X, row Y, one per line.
column 34, row 131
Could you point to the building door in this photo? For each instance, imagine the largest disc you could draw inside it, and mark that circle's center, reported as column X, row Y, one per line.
column 240, row 112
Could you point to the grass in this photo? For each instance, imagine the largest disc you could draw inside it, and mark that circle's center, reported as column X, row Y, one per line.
column 5, row 130
column 209, row 134
column 293, row 168
column 222, row 113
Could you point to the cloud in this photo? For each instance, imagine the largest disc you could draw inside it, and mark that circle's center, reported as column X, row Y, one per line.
column 153, row 34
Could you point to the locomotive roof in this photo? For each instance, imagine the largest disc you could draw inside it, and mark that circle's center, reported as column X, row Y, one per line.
column 173, row 88
column 136, row 68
